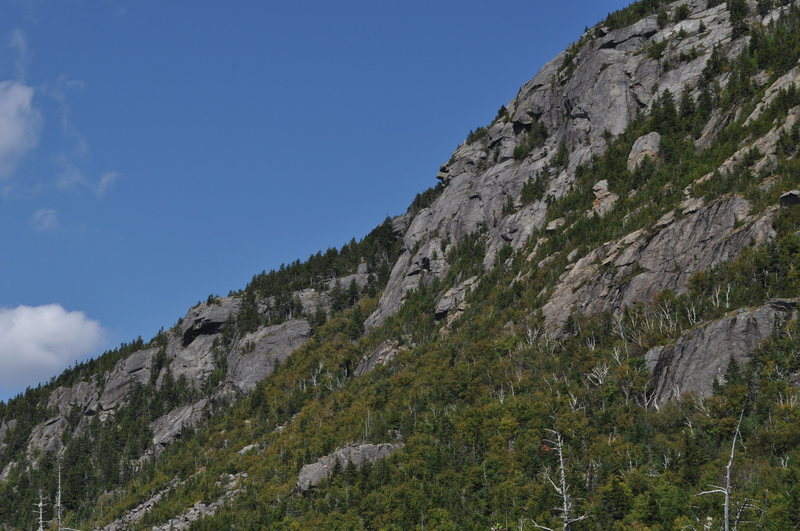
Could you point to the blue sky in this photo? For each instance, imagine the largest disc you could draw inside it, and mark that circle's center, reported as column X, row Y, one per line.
column 152, row 153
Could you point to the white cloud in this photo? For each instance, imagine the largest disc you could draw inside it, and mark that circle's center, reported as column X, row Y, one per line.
column 37, row 342
column 19, row 124
column 46, row 219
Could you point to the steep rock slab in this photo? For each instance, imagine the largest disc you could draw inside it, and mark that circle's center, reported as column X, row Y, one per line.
column 313, row 474
column 258, row 353
column 699, row 357
column 638, row 266
column 47, row 436
column 194, row 362
column 83, row 395
column 135, row 368
column 382, row 355
column 168, row 427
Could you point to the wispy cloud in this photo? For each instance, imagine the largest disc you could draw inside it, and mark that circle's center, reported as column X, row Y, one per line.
column 71, row 178
column 20, row 124
column 19, row 44
column 106, row 181
column 46, row 220
column 37, row 342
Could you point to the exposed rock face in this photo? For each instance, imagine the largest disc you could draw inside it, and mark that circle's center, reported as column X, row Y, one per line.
column 643, row 263
column 382, row 355
column 313, row 474
column 696, row 359
column 231, row 482
column 453, row 298
column 167, row 428
column 609, row 82
column 555, row 225
column 261, row 350
column 200, row 509
column 647, row 146
column 83, row 395
column 207, row 319
column 603, row 199
column 133, row 369
column 789, row 79
column 136, row 514
column 46, row 437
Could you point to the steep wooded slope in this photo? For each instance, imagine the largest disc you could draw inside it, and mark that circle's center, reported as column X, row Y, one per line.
column 607, row 271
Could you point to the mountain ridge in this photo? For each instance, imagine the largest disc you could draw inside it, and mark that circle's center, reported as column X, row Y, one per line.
column 600, row 214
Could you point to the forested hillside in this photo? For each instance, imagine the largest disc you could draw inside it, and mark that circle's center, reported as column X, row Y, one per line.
column 589, row 323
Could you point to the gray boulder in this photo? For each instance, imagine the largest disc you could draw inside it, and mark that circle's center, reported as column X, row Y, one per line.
column 647, row 146
column 603, row 199
column 696, row 359
column 314, row 474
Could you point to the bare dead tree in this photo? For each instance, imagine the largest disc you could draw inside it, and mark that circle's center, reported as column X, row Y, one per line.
column 562, row 487
column 40, row 509
column 726, row 490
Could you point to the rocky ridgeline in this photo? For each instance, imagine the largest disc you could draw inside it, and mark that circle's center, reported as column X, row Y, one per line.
column 611, row 82
column 188, row 355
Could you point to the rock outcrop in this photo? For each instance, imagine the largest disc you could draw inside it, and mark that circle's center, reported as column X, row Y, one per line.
column 260, row 352
column 47, row 436
column 699, row 357
column 314, row 474
column 638, row 266
column 453, row 299
column 382, row 355
column 208, row 318
column 580, row 97
column 168, row 427
column 647, row 146
column 135, row 368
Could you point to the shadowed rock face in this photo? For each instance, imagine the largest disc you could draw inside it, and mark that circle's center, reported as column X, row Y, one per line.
column 699, row 357
column 208, row 319
column 313, row 474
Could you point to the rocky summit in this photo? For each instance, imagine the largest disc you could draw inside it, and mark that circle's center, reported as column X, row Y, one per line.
column 589, row 322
